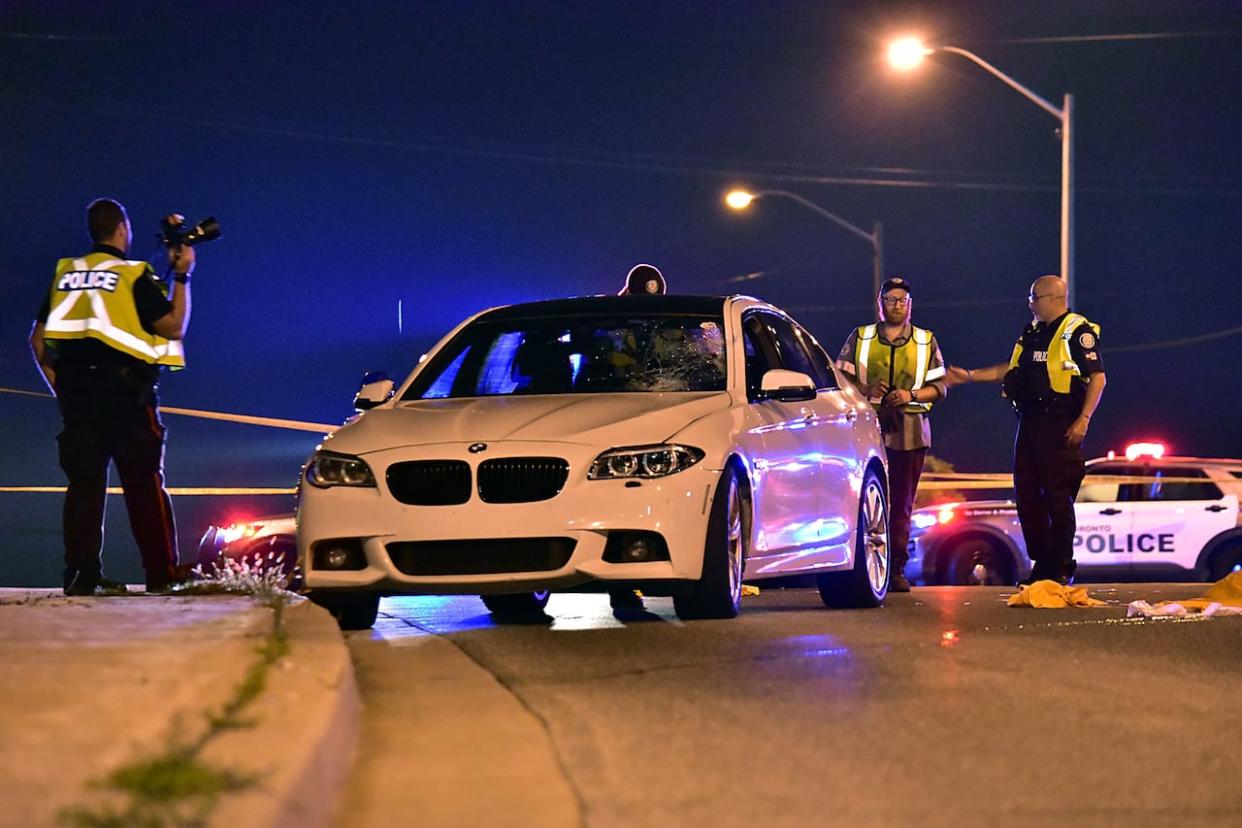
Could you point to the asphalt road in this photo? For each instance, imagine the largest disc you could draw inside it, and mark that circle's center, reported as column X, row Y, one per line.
column 943, row 708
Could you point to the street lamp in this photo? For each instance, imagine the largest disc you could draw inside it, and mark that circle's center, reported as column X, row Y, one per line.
column 741, row 199
column 906, row 53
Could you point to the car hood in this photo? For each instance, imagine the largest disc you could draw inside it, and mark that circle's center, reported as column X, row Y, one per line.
column 596, row 419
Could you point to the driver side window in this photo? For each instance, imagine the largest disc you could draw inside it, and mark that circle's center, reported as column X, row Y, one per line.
column 822, row 371
column 761, row 353
column 1097, row 491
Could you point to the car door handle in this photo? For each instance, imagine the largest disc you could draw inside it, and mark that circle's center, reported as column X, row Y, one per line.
column 808, row 415
column 1110, row 511
column 1216, row 508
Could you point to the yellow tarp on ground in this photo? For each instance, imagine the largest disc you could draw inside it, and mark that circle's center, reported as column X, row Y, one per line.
column 1227, row 591
column 1051, row 595
column 1222, row 598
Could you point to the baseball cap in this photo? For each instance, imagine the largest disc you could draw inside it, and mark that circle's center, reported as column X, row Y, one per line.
column 895, row 283
column 644, row 278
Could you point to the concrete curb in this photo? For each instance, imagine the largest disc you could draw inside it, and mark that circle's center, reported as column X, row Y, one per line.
column 93, row 683
column 306, row 728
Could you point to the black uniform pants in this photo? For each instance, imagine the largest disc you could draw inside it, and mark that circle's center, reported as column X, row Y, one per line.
column 1046, row 475
column 904, row 469
column 107, row 420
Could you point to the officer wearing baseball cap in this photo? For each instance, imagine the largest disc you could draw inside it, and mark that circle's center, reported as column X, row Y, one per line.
column 900, row 369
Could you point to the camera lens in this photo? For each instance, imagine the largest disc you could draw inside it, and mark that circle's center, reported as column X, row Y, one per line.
column 206, row 230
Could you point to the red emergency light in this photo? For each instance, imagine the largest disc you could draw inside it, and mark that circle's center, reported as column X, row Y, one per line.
column 1150, row 450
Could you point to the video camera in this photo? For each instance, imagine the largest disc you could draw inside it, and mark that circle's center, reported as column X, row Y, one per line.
column 177, row 234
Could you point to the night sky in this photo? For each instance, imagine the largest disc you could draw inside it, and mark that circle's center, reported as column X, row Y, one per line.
column 454, row 156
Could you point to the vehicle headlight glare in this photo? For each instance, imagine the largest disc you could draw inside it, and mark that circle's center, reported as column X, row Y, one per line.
column 643, row 462
column 325, row 470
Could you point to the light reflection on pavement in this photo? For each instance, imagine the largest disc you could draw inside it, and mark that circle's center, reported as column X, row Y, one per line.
column 415, row 615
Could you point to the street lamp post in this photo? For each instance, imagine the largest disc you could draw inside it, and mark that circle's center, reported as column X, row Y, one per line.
column 906, row 53
column 741, row 199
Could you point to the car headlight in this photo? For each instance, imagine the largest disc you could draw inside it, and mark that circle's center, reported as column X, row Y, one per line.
column 643, row 461
column 326, row 469
column 922, row 520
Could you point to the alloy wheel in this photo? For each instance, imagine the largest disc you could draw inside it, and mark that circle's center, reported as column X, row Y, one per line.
column 875, row 536
column 734, row 540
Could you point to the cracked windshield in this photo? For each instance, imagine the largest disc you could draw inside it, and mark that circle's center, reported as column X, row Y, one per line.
column 578, row 356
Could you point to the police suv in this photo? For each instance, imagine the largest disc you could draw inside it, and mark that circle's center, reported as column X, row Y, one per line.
column 1178, row 520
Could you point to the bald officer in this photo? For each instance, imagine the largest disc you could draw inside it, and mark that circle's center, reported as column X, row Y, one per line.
column 1054, row 379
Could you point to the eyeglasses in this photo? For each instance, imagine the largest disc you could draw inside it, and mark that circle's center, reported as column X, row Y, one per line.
column 1035, row 297
column 895, row 300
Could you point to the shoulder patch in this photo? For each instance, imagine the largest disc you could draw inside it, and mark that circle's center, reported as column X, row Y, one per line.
column 1087, row 340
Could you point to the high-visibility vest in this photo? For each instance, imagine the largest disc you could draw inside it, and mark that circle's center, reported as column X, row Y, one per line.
column 1061, row 365
column 905, row 366
column 93, row 297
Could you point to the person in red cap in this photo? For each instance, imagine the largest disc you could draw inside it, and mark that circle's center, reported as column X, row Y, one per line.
column 900, row 369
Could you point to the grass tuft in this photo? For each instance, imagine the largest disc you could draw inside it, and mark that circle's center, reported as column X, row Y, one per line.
column 176, row 789
column 262, row 576
column 175, row 776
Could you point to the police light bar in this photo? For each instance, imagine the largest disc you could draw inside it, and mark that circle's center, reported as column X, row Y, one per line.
column 1153, row 450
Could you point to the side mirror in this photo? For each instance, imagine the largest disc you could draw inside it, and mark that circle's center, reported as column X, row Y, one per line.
column 786, row 386
column 376, row 389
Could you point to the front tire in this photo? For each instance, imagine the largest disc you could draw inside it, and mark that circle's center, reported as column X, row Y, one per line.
column 718, row 592
column 866, row 583
column 1226, row 561
column 352, row 610
column 517, row 606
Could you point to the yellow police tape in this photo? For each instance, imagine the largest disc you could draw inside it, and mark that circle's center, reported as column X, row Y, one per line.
column 930, row 480
column 271, row 422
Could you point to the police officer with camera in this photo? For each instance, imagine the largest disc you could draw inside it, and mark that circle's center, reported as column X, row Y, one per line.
column 1054, row 378
column 104, row 330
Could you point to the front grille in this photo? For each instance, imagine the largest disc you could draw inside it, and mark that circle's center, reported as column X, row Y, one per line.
column 480, row 557
column 521, row 479
column 430, row 482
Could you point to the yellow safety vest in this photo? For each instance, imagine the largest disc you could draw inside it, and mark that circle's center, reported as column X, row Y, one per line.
column 93, row 297
column 905, row 366
column 1061, row 365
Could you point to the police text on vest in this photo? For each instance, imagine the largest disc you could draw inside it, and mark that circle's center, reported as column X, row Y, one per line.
column 88, row 280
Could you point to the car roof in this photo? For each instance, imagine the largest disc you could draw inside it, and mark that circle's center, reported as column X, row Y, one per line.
column 639, row 303
column 1173, row 460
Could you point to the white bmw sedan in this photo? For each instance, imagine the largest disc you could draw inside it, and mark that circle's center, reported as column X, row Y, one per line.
column 679, row 445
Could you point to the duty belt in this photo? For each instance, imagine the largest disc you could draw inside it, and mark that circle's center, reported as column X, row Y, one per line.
column 1045, row 407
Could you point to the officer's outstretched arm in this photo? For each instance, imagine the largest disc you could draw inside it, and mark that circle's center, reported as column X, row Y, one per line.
column 957, row 375
column 41, row 356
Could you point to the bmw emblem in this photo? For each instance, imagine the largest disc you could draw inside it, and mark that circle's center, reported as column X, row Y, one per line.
column 475, row 448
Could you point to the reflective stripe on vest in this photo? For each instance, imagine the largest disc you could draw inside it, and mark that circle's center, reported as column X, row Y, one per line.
column 862, row 353
column 910, row 370
column 92, row 297
column 1061, row 365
